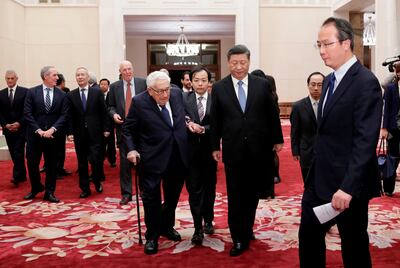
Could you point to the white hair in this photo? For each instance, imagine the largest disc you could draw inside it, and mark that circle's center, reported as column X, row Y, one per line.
column 153, row 77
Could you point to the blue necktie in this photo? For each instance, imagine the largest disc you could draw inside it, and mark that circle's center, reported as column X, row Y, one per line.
column 47, row 101
column 165, row 114
column 241, row 95
column 83, row 99
column 330, row 88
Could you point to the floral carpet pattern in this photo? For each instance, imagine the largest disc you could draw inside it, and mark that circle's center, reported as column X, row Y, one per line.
column 103, row 227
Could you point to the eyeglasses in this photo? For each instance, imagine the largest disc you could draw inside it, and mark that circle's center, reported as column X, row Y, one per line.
column 319, row 45
column 162, row 91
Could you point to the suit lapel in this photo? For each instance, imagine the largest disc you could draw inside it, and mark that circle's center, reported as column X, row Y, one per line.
column 121, row 96
column 230, row 90
column 341, row 89
column 208, row 105
column 193, row 106
column 309, row 109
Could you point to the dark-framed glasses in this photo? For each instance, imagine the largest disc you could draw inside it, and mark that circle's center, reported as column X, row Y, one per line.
column 161, row 91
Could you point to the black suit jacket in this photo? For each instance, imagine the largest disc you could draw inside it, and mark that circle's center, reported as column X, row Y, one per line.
column 348, row 132
column 303, row 130
column 15, row 113
column 36, row 115
column 392, row 105
column 146, row 131
column 249, row 135
column 93, row 121
column 116, row 100
column 200, row 144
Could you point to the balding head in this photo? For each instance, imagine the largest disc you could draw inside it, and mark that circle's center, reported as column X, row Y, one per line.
column 126, row 70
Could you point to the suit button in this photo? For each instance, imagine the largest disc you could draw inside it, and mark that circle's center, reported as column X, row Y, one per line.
column 245, row 138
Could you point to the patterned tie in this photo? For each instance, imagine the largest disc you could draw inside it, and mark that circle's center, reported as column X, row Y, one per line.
column 128, row 98
column 200, row 108
column 165, row 114
column 11, row 97
column 330, row 89
column 83, row 97
column 241, row 95
column 48, row 101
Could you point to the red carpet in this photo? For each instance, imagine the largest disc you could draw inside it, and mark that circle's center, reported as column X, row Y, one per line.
column 98, row 232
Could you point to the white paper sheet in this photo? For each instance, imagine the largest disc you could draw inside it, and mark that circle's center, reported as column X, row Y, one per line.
column 325, row 212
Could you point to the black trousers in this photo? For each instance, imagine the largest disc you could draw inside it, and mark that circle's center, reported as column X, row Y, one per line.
column 304, row 172
column 352, row 224
column 36, row 146
column 243, row 200
column 87, row 152
column 393, row 144
column 16, row 147
column 160, row 217
column 110, row 151
column 201, row 184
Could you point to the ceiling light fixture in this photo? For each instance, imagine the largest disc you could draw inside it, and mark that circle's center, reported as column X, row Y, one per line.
column 182, row 48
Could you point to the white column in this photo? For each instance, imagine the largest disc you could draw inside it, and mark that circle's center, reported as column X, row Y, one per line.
column 112, row 38
column 387, row 36
column 247, row 29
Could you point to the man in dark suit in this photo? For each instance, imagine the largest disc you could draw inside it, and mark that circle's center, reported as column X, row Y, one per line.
column 119, row 100
column 243, row 114
column 202, row 177
column 390, row 130
column 155, row 132
column 344, row 170
column 12, row 121
column 109, row 142
column 186, row 83
column 45, row 112
column 303, row 120
column 88, row 124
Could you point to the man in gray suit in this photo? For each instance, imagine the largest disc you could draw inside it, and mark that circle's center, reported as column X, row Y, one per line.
column 118, row 102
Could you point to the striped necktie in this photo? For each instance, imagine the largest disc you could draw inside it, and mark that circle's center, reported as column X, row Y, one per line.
column 48, row 100
column 200, row 108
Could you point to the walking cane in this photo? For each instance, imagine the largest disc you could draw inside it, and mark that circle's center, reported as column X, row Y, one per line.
column 137, row 201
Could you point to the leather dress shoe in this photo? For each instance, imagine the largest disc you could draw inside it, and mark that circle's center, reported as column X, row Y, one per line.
column 33, row 194
column 172, row 234
column 208, row 228
column 43, row 169
column 125, row 200
column 85, row 194
column 198, row 237
column 238, row 248
column 99, row 187
column 63, row 172
column 51, row 198
column 151, row 247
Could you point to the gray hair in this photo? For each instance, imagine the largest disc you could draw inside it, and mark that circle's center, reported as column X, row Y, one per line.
column 153, row 77
column 11, row 72
column 164, row 71
column 45, row 70
column 92, row 78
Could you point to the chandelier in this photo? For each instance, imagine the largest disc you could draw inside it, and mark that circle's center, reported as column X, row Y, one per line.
column 369, row 35
column 182, row 48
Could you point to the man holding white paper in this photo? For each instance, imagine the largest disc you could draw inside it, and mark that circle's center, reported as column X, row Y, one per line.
column 344, row 170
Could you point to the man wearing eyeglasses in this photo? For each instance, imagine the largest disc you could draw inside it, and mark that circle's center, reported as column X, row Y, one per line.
column 344, row 171
column 118, row 102
column 303, row 122
column 154, row 133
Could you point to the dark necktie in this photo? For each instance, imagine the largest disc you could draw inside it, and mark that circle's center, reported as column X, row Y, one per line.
column 200, row 108
column 165, row 114
column 83, row 96
column 11, row 97
column 330, row 89
column 241, row 95
column 128, row 98
column 47, row 101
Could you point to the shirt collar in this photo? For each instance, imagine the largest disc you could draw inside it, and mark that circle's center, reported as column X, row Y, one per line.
column 313, row 100
column 245, row 80
column 44, row 87
column 14, row 88
column 340, row 73
column 205, row 95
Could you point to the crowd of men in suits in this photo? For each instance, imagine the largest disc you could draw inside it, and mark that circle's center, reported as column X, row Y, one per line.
column 174, row 136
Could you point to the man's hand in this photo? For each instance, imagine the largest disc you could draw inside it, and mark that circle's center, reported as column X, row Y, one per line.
column 278, row 147
column 341, row 200
column 133, row 156
column 118, row 119
column 384, row 133
column 106, row 134
column 398, row 170
column 216, row 155
column 195, row 128
column 48, row 134
column 296, row 157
